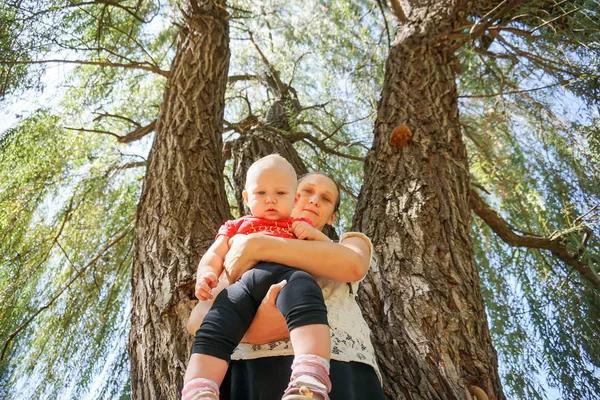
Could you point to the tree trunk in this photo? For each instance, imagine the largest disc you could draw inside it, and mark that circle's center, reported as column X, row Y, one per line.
column 183, row 202
column 422, row 297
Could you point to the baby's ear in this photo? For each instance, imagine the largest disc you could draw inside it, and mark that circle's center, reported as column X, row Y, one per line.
column 296, row 198
column 245, row 196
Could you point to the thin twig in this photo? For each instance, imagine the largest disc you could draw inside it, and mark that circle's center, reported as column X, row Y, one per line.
column 66, row 256
column 93, row 131
column 563, row 82
column 553, row 19
column 278, row 82
column 142, row 66
column 585, row 214
column 305, row 136
column 89, row 3
column 295, row 67
column 387, row 28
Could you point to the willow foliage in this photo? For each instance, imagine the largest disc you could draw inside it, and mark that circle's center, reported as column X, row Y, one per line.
column 70, row 178
column 531, row 126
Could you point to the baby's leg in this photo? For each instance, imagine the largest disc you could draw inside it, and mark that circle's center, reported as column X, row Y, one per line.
column 301, row 302
column 221, row 331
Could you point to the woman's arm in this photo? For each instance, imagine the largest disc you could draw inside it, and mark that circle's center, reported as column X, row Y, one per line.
column 347, row 261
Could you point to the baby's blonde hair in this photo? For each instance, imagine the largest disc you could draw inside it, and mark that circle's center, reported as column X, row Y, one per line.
column 272, row 160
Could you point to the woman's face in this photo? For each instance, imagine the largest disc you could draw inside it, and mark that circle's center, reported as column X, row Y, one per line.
column 317, row 195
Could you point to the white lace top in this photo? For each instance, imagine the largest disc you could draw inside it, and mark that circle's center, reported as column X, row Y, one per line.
column 350, row 334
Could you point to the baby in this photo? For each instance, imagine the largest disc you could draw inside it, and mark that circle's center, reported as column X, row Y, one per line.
column 270, row 193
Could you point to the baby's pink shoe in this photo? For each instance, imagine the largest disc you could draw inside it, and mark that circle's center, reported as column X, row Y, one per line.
column 200, row 389
column 310, row 379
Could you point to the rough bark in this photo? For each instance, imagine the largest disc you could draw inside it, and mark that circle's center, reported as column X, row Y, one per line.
column 183, row 202
column 422, row 297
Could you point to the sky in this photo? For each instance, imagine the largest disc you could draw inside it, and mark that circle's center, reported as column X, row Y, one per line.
column 14, row 109
column 28, row 102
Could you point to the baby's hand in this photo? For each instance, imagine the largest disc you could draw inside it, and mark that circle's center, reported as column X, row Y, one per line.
column 205, row 283
column 303, row 230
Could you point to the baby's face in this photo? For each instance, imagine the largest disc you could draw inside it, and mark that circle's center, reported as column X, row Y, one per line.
column 270, row 193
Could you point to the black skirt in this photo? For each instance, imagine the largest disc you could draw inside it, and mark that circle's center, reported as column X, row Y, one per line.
column 267, row 378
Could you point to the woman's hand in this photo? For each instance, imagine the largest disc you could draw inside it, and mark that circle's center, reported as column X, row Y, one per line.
column 268, row 324
column 241, row 257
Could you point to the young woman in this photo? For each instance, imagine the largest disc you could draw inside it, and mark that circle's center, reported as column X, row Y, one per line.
column 261, row 365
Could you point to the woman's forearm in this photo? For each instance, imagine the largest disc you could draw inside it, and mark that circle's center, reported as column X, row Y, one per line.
column 261, row 332
column 343, row 262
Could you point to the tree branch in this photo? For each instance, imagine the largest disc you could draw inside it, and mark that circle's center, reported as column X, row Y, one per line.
column 115, row 240
column 130, row 137
column 506, row 232
column 90, row 3
column 130, row 37
column 398, row 11
column 330, row 135
column 544, row 62
column 296, row 67
column 134, row 164
column 280, row 86
column 513, row 30
column 488, row 19
column 387, row 28
column 104, row 115
column 322, row 105
column 65, row 219
column 115, row 169
column 554, row 19
column 93, row 131
column 237, row 78
column 138, row 133
column 142, row 66
column 294, row 137
column 479, row 28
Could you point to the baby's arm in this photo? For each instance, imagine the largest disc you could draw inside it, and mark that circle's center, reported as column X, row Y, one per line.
column 303, row 230
column 210, row 268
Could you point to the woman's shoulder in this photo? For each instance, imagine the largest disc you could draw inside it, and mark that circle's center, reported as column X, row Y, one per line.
column 359, row 235
column 359, row 238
